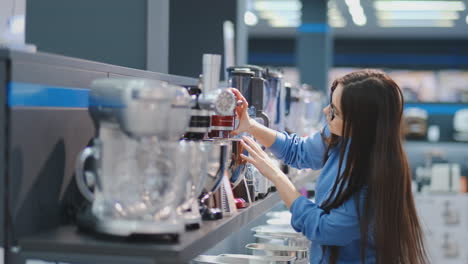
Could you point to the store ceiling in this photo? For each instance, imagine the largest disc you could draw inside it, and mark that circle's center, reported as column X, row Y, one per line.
column 365, row 18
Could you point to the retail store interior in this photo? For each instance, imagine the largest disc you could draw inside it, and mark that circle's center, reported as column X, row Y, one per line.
column 117, row 116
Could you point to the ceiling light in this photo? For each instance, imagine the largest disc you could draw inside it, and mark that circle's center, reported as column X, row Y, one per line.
column 337, row 23
column 250, row 19
column 278, row 5
column 357, row 12
column 359, row 20
column 416, row 23
column 275, row 14
column 412, row 15
column 353, row 3
column 284, row 23
column 420, row 5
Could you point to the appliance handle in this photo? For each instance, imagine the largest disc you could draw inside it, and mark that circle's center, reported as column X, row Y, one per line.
column 82, row 175
column 264, row 116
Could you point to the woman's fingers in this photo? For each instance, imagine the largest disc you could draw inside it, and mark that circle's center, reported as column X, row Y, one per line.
column 247, row 158
column 254, row 145
column 243, row 107
column 249, row 149
column 238, row 95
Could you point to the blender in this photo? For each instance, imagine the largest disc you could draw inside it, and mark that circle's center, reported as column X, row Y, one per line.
column 137, row 157
column 250, row 82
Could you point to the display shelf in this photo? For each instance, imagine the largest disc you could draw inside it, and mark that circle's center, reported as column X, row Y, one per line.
column 67, row 243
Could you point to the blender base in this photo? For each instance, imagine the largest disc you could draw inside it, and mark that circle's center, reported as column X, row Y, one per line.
column 165, row 230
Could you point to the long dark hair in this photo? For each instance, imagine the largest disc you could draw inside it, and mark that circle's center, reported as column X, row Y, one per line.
column 372, row 108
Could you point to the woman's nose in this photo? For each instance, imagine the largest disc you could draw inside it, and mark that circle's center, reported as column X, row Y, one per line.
column 326, row 110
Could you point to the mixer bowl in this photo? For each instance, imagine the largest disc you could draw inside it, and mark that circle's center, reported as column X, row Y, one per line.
column 243, row 259
column 260, row 249
column 279, row 235
column 198, row 152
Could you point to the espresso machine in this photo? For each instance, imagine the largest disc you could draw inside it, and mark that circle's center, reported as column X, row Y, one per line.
column 138, row 175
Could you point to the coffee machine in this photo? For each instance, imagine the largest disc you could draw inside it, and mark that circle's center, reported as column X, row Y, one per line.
column 138, row 173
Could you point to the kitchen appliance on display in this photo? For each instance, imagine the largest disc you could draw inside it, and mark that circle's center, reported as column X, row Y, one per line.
column 243, row 259
column 460, row 125
column 139, row 170
column 275, row 105
column 213, row 119
column 223, row 120
column 280, row 235
column 254, row 87
column 216, row 169
column 304, row 114
column 218, row 102
column 415, row 122
column 199, row 152
column 265, row 249
column 250, row 82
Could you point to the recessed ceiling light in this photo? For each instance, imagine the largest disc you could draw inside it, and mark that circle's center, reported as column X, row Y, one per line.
column 250, row 19
column 337, row 23
column 357, row 12
column 416, row 23
column 278, row 5
column 279, row 23
column 420, row 5
column 416, row 15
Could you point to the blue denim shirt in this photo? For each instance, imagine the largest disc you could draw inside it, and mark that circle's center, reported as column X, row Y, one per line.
column 339, row 227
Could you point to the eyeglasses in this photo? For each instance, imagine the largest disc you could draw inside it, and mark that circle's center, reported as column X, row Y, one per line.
column 332, row 107
column 332, row 112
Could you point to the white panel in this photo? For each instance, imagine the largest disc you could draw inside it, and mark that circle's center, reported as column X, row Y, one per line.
column 157, row 55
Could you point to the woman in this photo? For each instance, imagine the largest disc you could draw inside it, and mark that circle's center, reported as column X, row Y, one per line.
column 364, row 210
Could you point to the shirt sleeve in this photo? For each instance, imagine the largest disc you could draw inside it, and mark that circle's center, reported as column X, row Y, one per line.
column 301, row 153
column 338, row 228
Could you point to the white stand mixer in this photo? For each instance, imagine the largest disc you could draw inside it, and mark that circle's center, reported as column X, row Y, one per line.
column 138, row 158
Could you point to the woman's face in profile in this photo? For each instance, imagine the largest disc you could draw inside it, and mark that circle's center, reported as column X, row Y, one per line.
column 333, row 111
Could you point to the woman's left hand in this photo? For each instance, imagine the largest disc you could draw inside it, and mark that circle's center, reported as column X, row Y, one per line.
column 267, row 168
column 260, row 159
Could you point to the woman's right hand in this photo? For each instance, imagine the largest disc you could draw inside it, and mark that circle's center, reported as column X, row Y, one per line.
column 245, row 122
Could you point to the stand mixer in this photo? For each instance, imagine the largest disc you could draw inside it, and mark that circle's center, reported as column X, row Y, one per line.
column 212, row 120
column 199, row 153
column 138, row 158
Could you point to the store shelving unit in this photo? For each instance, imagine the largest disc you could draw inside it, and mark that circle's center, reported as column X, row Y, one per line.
column 39, row 149
column 68, row 244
